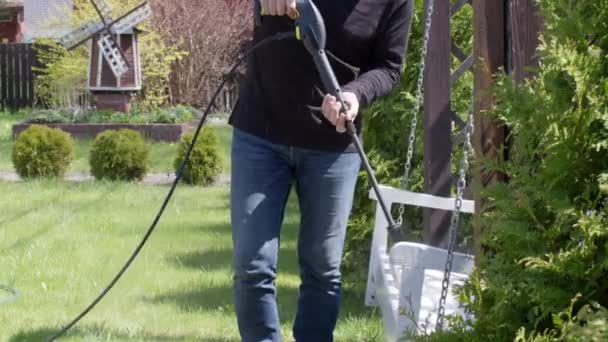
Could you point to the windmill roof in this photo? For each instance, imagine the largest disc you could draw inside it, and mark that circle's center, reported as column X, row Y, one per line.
column 132, row 30
column 9, row 9
column 11, row 4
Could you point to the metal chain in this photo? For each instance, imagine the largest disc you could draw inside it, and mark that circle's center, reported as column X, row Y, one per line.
column 464, row 165
column 461, row 185
column 405, row 183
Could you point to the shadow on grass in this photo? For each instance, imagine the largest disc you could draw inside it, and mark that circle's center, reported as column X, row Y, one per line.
column 207, row 228
column 220, row 299
column 288, row 232
column 23, row 213
column 74, row 211
column 35, row 206
column 98, row 333
column 213, row 258
column 221, row 259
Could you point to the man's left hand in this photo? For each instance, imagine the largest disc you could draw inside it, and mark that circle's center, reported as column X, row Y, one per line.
column 332, row 110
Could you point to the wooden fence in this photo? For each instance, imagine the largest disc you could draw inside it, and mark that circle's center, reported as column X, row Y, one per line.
column 17, row 75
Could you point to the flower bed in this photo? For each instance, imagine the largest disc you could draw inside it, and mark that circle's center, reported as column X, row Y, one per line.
column 166, row 124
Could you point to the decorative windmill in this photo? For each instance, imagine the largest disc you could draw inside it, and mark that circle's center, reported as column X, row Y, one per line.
column 114, row 67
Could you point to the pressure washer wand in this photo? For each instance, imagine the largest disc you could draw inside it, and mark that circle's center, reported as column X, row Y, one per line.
column 310, row 29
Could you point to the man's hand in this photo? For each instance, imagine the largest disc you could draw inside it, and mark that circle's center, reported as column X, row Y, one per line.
column 279, row 7
column 332, row 110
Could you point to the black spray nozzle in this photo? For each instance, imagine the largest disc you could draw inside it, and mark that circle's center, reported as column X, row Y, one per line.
column 310, row 26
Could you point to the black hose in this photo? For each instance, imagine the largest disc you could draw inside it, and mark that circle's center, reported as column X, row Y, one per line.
column 179, row 174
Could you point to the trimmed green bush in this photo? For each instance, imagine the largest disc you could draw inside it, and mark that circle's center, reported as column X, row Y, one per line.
column 205, row 162
column 41, row 151
column 119, row 155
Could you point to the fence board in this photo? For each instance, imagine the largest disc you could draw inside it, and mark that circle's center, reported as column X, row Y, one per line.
column 17, row 61
column 31, row 57
column 17, row 76
column 10, row 99
column 25, row 67
column 3, row 73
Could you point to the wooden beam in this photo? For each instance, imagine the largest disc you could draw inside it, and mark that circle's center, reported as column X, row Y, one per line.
column 457, row 120
column 489, row 51
column 458, row 5
column 526, row 24
column 464, row 67
column 458, row 53
column 438, row 125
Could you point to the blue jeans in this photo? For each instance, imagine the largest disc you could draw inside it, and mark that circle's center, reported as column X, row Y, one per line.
column 262, row 176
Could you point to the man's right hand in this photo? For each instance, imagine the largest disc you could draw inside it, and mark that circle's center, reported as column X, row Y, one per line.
column 279, row 7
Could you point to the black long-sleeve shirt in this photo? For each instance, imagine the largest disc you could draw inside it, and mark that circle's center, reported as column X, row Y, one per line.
column 282, row 83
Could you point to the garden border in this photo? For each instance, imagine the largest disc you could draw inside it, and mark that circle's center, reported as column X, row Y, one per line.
column 155, row 132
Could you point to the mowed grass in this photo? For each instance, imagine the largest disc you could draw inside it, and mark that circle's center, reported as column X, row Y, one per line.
column 162, row 155
column 61, row 243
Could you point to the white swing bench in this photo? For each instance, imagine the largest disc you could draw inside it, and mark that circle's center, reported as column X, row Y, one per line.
column 406, row 281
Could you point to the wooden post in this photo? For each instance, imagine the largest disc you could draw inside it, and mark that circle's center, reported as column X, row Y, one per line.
column 437, row 125
column 489, row 138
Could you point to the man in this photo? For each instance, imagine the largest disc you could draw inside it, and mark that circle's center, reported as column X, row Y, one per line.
column 277, row 143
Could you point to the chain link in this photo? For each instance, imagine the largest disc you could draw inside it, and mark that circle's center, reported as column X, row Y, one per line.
column 405, row 183
column 461, row 185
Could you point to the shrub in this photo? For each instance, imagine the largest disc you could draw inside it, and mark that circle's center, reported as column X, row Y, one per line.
column 119, row 155
column 205, row 162
column 42, row 152
column 172, row 115
column 47, row 117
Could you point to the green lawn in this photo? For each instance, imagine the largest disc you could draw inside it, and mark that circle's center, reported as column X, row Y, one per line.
column 60, row 243
column 161, row 154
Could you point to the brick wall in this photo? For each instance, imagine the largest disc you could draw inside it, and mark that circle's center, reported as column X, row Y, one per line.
column 46, row 18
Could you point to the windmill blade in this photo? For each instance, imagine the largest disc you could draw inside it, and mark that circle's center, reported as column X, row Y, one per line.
column 103, row 8
column 132, row 19
column 81, row 34
column 112, row 54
